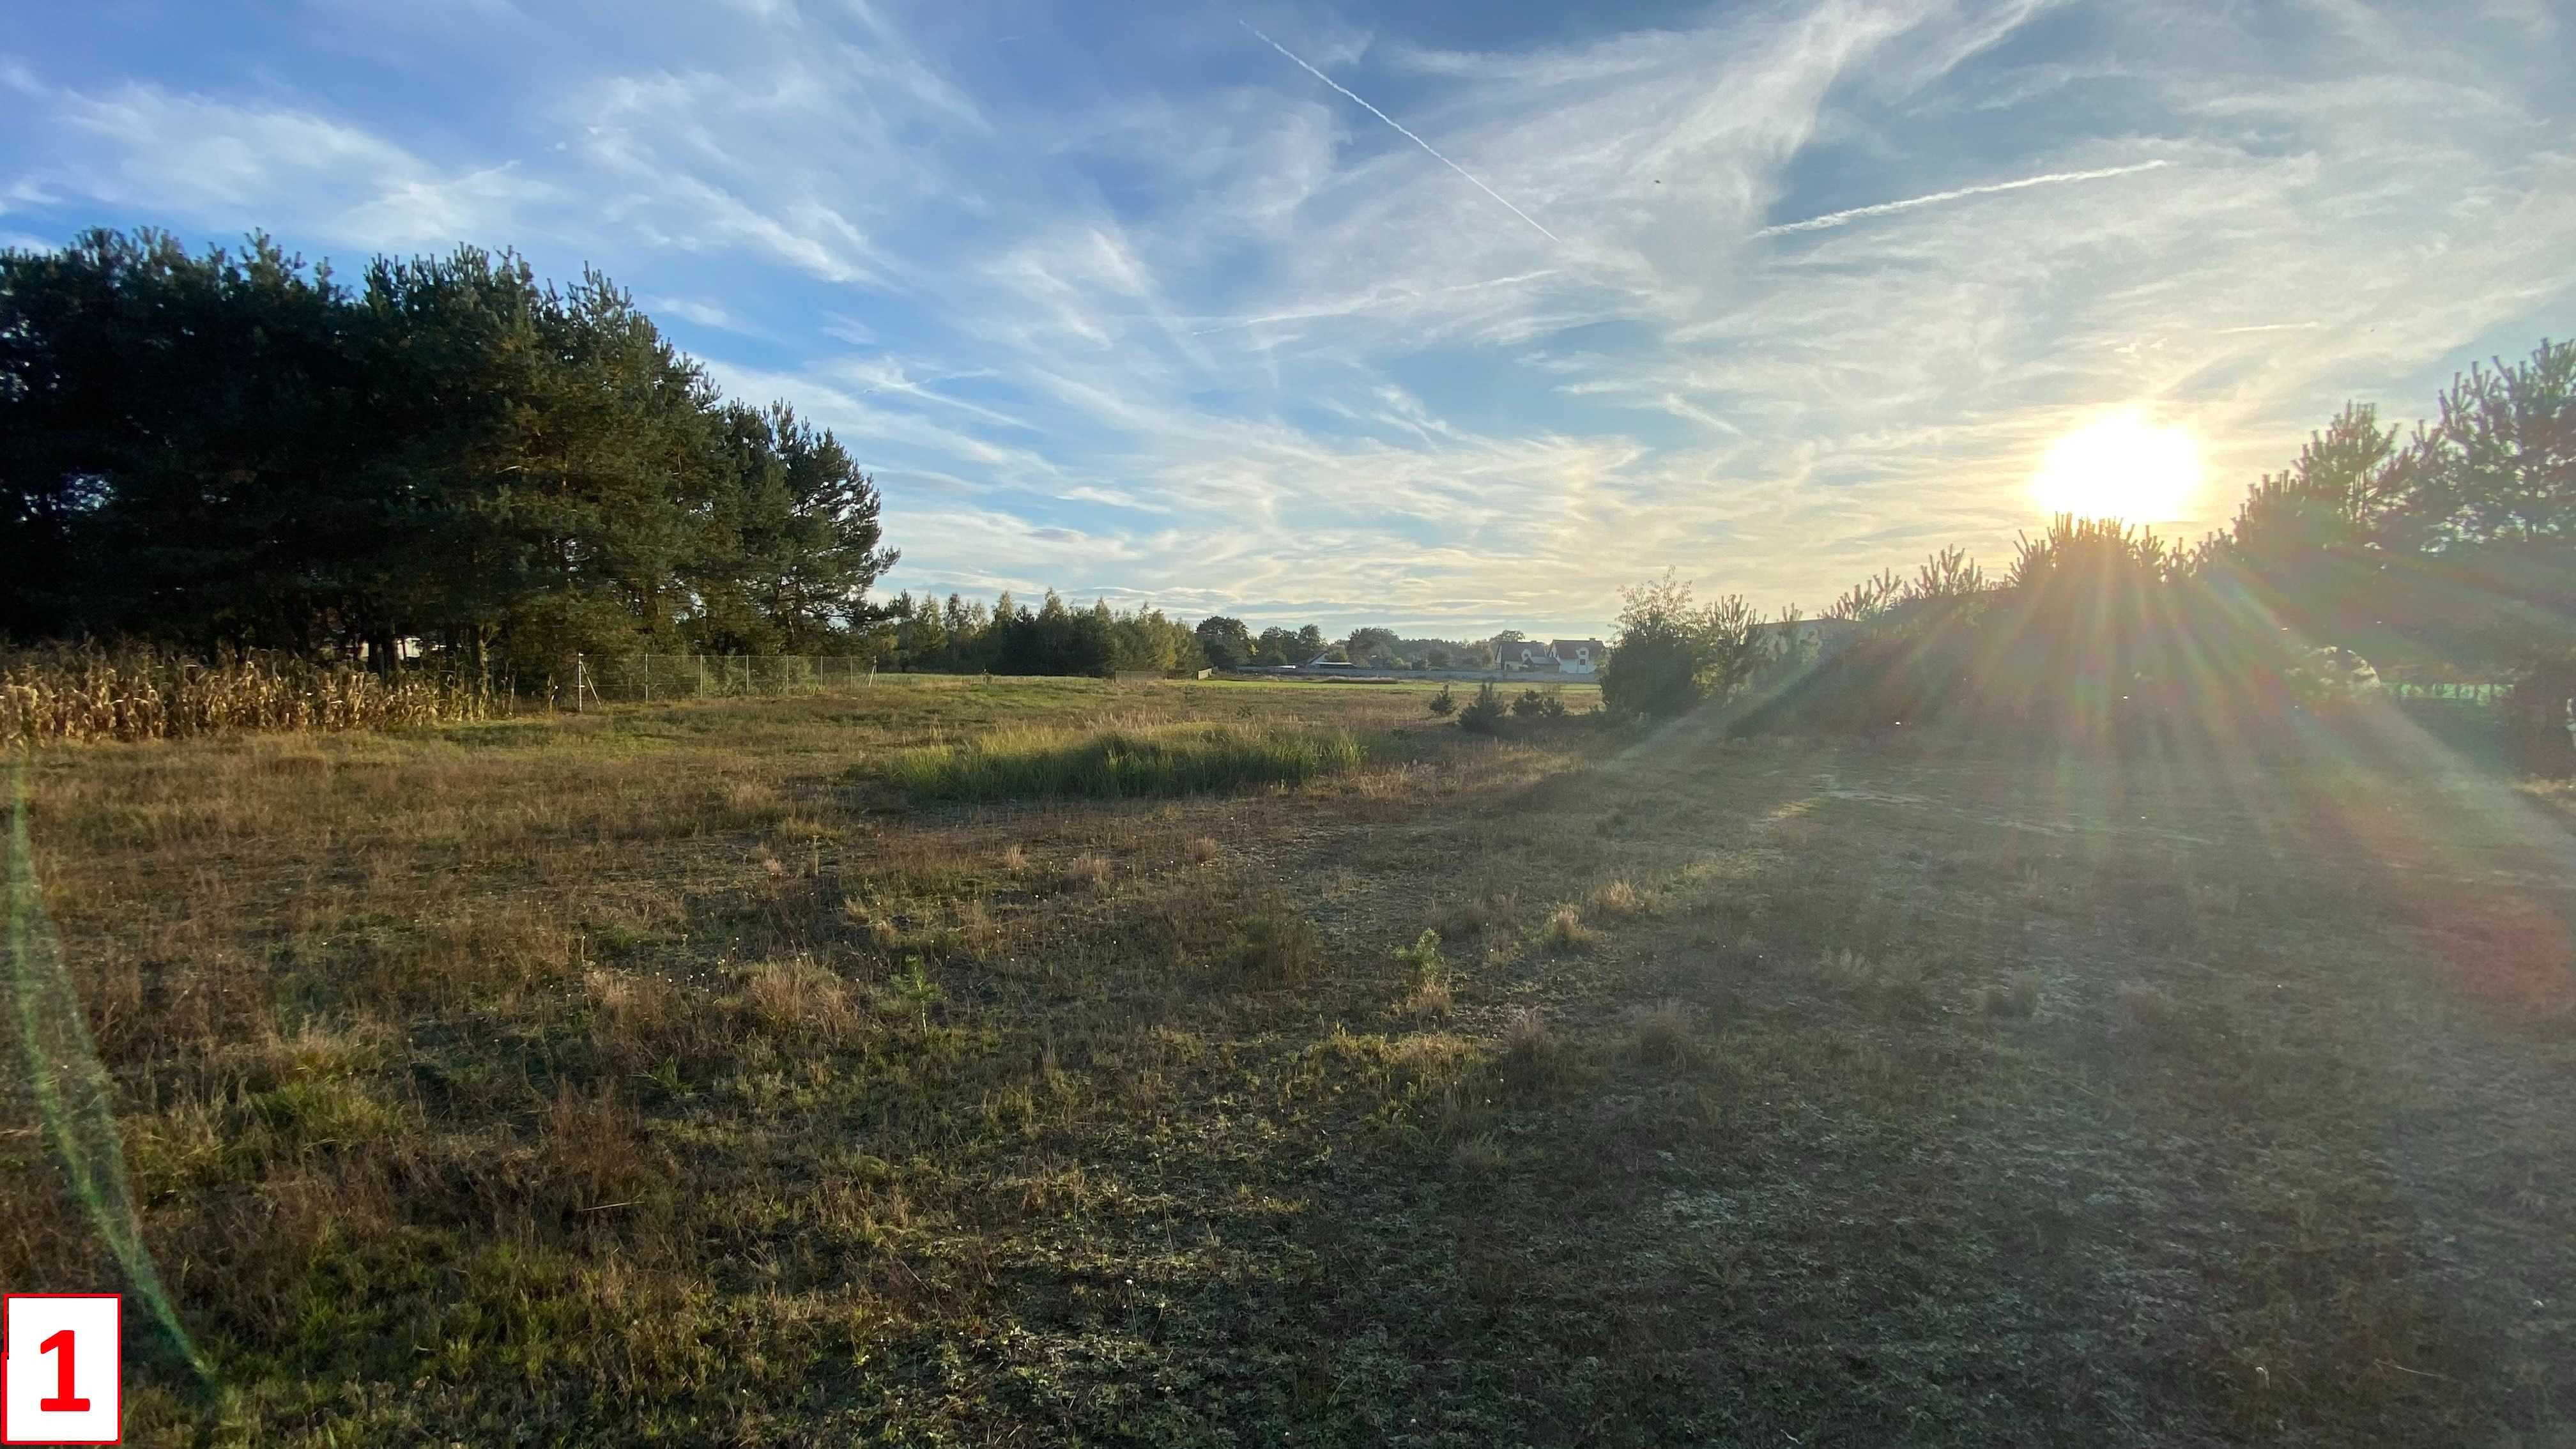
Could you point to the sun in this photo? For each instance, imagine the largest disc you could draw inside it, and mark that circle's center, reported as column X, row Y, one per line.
column 2120, row 466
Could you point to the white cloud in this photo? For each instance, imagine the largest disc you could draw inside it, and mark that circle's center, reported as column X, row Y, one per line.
column 1135, row 307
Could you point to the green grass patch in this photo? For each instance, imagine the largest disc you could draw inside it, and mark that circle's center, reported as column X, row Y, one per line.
column 1182, row 759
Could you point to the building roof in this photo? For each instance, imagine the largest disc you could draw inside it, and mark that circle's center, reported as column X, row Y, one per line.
column 1572, row 649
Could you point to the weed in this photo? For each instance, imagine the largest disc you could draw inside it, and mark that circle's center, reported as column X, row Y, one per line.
column 1616, row 898
column 1663, row 1033
column 1277, row 947
column 1889, row 987
column 1529, row 1056
column 1203, row 849
column 1566, row 932
column 1479, row 1156
column 800, row 1000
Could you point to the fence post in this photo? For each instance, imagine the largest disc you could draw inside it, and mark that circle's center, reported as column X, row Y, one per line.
column 580, row 674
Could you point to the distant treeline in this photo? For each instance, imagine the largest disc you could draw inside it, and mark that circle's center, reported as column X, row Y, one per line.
column 2447, row 553
column 966, row 636
column 236, row 450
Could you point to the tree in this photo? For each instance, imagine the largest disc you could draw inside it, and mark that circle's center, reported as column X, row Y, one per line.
column 1226, row 642
column 1372, row 646
column 1310, row 642
column 1670, row 654
column 235, row 449
column 1280, row 646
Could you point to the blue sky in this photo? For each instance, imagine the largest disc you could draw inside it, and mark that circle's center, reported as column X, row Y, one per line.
column 1127, row 301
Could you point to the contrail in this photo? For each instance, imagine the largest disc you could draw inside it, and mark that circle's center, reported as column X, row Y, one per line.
column 1857, row 213
column 1408, row 135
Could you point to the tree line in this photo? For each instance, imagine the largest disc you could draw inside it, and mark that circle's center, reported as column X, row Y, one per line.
column 231, row 449
column 2447, row 552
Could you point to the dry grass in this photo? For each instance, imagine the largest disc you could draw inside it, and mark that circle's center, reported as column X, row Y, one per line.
column 2017, row 998
column 1530, row 1055
column 1663, row 1033
column 1566, row 932
column 1087, row 871
column 1613, row 900
column 1275, row 946
column 660, row 1075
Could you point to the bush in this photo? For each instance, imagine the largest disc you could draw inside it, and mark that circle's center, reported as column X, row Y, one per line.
column 1536, row 705
column 1672, row 653
column 1118, row 764
column 1445, row 703
column 1484, row 714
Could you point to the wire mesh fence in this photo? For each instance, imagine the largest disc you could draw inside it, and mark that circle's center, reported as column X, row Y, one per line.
column 648, row 677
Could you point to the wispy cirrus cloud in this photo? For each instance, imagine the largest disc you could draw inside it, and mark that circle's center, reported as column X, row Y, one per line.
column 1128, row 306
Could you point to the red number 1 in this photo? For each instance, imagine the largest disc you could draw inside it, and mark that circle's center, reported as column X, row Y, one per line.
column 62, row 1402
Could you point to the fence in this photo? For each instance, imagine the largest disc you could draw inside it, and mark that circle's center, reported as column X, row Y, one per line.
column 649, row 677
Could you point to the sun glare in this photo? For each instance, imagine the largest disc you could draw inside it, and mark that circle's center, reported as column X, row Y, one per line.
column 2122, row 467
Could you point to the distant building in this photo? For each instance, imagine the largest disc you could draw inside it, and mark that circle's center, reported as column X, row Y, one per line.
column 1577, row 656
column 1560, row 656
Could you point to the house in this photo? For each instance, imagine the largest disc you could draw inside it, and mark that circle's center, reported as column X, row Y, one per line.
column 1577, row 656
column 1561, row 656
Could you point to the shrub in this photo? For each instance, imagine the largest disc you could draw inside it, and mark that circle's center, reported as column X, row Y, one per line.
column 1423, row 956
column 1484, row 714
column 1445, row 703
column 1120, row 763
column 1529, row 704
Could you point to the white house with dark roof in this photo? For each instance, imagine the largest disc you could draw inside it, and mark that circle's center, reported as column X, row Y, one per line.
column 1559, row 656
column 1577, row 656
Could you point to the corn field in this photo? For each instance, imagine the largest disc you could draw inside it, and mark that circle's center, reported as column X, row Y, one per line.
column 72, row 697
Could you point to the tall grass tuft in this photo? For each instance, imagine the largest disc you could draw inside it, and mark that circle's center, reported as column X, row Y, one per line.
column 1019, row 764
column 75, row 696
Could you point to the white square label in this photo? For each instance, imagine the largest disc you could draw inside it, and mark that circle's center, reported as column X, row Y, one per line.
column 65, row 1372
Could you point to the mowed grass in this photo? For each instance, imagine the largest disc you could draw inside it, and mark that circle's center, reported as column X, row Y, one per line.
column 1113, row 764
column 668, row 1075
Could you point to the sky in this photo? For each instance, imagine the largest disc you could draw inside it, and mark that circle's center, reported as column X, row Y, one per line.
column 1446, row 316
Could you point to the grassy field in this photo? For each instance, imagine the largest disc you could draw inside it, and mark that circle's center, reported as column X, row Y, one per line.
column 694, row 1074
